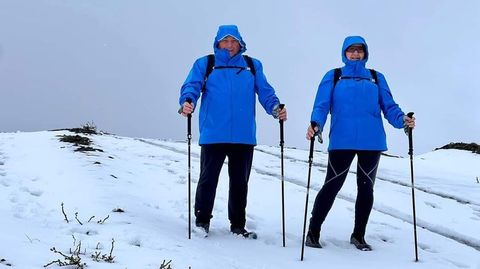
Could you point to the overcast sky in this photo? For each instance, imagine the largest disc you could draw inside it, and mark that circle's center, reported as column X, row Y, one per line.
column 121, row 63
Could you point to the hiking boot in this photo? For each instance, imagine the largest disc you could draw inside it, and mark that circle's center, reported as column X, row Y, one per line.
column 243, row 232
column 360, row 243
column 205, row 226
column 313, row 240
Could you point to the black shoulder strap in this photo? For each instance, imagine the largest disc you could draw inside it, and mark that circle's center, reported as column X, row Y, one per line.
column 250, row 64
column 210, row 65
column 337, row 73
column 209, row 69
column 374, row 76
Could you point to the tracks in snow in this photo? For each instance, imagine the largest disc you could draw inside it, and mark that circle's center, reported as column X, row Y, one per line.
column 445, row 232
column 389, row 180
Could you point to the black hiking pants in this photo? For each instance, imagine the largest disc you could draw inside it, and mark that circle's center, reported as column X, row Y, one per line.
column 339, row 162
column 212, row 156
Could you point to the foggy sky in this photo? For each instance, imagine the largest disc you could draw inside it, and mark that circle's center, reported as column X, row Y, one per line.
column 120, row 64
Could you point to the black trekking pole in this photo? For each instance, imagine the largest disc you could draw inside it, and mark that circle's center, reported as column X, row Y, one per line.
column 189, row 138
column 410, row 152
column 281, row 106
column 310, row 161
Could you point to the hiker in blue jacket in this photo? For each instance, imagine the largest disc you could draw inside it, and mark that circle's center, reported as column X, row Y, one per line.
column 227, row 122
column 355, row 97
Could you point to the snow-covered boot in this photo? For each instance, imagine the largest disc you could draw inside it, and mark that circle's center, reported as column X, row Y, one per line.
column 360, row 243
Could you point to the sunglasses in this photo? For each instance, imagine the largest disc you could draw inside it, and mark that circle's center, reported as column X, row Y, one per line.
column 358, row 49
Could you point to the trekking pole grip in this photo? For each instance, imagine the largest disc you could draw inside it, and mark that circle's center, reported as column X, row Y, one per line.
column 410, row 136
column 281, row 106
column 189, row 118
column 312, row 139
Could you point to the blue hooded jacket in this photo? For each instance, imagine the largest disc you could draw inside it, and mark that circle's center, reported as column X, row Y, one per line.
column 227, row 111
column 355, row 105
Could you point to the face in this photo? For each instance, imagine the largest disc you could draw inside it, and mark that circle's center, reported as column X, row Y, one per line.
column 231, row 44
column 355, row 53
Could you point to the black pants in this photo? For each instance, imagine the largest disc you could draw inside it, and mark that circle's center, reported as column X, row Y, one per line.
column 212, row 156
column 339, row 162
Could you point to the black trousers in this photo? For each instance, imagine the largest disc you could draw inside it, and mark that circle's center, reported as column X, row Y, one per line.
column 339, row 162
column 212, row 156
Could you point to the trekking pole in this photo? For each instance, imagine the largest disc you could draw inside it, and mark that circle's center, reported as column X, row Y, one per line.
column 189, row 138
column 281, row 106
column 410, row 152
column 310, row 161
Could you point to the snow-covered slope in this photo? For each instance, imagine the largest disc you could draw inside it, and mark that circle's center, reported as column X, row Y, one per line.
column 147, row 179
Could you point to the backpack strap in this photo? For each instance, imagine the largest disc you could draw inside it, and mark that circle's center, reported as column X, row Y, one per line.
column 211, row 66
column 337, row 73
column 374, row 76
column 250, row 64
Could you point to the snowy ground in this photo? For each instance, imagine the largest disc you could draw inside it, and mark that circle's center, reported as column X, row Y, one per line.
column 148, row 180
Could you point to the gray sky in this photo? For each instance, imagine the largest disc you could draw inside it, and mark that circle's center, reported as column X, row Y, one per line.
column 121, row 63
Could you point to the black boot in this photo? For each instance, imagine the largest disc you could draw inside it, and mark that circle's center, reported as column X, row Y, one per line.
column 243, row 232
column 360, row 243
column 204, row 226
column 313, row 240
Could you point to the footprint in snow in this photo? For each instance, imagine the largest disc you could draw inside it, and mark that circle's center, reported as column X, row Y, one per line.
column 428, row 248
column 5, row 182
column 83, row 230
column 384, row 224
column 4, row 262
column 137, row 242
column 341, row 243
column 432, row 205
column 384, row 238
column 171, row 171
column 36, row 193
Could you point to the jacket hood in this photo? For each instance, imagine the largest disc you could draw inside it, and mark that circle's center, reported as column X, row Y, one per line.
column 229, row 30
column 350, row 40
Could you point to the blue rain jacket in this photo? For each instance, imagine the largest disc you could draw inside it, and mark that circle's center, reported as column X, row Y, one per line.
column 227, row 111
column 355, row 105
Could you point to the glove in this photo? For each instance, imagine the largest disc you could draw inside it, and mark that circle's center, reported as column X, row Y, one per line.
column 408, row 117
column 405, row 127
column 276, row 111
column 318, row 133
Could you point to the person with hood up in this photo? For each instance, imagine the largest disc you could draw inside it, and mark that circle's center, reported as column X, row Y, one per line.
column 355, row 104
column 227, row 123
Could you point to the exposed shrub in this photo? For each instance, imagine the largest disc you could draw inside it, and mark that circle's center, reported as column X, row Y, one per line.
column 473, row 147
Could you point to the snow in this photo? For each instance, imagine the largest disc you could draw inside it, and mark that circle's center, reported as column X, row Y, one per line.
column 147, row 178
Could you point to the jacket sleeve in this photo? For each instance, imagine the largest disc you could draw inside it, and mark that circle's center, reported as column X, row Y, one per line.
column 321, row 106
column 391, row 110
column 193, row 84
column 266, row 94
